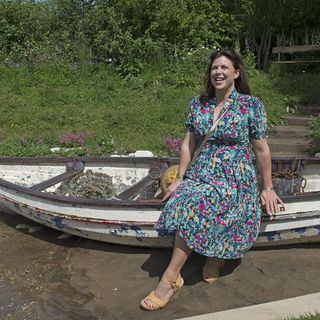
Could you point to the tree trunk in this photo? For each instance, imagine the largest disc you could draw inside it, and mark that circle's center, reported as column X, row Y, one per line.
column 267, row 51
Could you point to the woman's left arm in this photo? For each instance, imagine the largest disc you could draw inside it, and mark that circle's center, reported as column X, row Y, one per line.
column 263, row 157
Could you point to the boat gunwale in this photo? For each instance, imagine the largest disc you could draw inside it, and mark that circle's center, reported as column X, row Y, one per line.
column 114, row 203
column 118, row 159
column 100, row 160
column 307, row 196
column 91, row 220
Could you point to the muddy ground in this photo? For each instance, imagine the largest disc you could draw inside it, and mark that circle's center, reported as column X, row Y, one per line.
column 46, row 276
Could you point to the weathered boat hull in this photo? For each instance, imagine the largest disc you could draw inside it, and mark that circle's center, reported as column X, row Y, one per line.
column 132, row 222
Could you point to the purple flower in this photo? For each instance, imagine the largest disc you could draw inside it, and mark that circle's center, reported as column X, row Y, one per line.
column 173, row 145
column 75, row 139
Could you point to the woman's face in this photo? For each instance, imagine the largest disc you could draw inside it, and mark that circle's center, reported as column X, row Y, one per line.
column 223, row 74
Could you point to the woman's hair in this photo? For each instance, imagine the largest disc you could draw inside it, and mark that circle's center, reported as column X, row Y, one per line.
column 241, row 83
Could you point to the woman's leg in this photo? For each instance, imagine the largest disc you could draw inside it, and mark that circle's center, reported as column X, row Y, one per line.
column 179, row 257
column 210, row 271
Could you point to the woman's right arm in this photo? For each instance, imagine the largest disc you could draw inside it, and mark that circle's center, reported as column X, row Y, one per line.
column 188, row 147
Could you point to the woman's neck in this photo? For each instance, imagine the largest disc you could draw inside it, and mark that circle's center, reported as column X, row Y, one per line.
column 223, row 95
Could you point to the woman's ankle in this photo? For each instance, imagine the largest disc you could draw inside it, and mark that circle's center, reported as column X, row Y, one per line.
column 171, row 275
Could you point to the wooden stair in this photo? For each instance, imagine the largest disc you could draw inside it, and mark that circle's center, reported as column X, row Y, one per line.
column 292, row 139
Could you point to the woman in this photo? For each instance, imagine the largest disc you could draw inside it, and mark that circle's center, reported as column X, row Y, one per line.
column 214, row 206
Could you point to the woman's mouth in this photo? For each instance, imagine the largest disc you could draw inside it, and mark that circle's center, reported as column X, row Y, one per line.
column 218, row 80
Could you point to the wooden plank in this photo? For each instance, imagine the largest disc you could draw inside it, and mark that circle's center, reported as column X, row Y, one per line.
column 296, row 61
column 289, row 225
column 136, row 188
column 290, row 216
column 293, row 49
column 52, row 181
column 56, row 161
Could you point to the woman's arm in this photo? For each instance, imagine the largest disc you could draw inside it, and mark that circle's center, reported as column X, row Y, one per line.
column 187, row 150
column 263, row 157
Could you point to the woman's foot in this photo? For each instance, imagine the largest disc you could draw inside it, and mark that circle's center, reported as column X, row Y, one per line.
column 165, row 290
column 210, row 270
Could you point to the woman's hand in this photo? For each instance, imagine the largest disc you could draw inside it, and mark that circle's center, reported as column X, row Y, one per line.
column 271, row 201
column 172, row 188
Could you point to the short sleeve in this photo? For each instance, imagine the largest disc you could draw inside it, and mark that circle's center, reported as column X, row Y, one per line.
column 190, row 122
column 258, row 124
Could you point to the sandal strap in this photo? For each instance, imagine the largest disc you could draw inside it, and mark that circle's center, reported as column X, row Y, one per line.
column 156, row 302
column 173, row 284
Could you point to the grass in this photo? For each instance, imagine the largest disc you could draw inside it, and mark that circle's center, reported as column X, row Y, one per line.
column 40, row 106
column 123, row 116
column 309, row 316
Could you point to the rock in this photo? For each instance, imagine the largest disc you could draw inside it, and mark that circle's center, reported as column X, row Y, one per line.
column 22, row 226
column 56, row 149
column 317, row 155
column 64, row 236
column 143, row 153
column 34, row 229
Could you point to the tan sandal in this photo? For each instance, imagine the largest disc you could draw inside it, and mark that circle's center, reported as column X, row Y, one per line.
column 157, row 303
column 211, row 275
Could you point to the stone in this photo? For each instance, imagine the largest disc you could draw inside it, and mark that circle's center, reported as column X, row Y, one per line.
column 143, row 153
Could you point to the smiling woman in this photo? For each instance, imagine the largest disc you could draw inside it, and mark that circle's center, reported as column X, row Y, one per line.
column 214, row 206
column 223, row 73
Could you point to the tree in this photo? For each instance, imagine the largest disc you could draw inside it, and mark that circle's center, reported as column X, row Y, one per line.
column 23, row 29
column 265, row 20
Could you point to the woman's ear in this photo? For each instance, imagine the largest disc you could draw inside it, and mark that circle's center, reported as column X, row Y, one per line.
column 237, row 74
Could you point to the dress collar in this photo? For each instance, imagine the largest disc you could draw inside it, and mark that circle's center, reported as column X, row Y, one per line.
column 234, row 94
column 231, row 99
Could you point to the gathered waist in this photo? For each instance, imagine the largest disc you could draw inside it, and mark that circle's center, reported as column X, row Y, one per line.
column 233, row 154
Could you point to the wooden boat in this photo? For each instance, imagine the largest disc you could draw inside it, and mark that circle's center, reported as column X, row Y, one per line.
column 28, row 187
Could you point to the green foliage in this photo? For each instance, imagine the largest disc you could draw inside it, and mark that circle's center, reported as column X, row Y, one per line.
column 126, row 33
column 23, row 147
column 303, row 84
column 101, row 113
column 250, row 64
column 185, row 71
column 315, row 127
column 54, row 101
column 308, row 316
column 24, row 31
column 130, row 33
column 315, row 134
column 265, row 86
column 266, row 24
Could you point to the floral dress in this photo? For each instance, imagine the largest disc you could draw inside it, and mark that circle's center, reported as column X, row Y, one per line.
column 216, row 208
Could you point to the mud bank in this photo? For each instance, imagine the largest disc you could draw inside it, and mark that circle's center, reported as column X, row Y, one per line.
column 44, row 276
